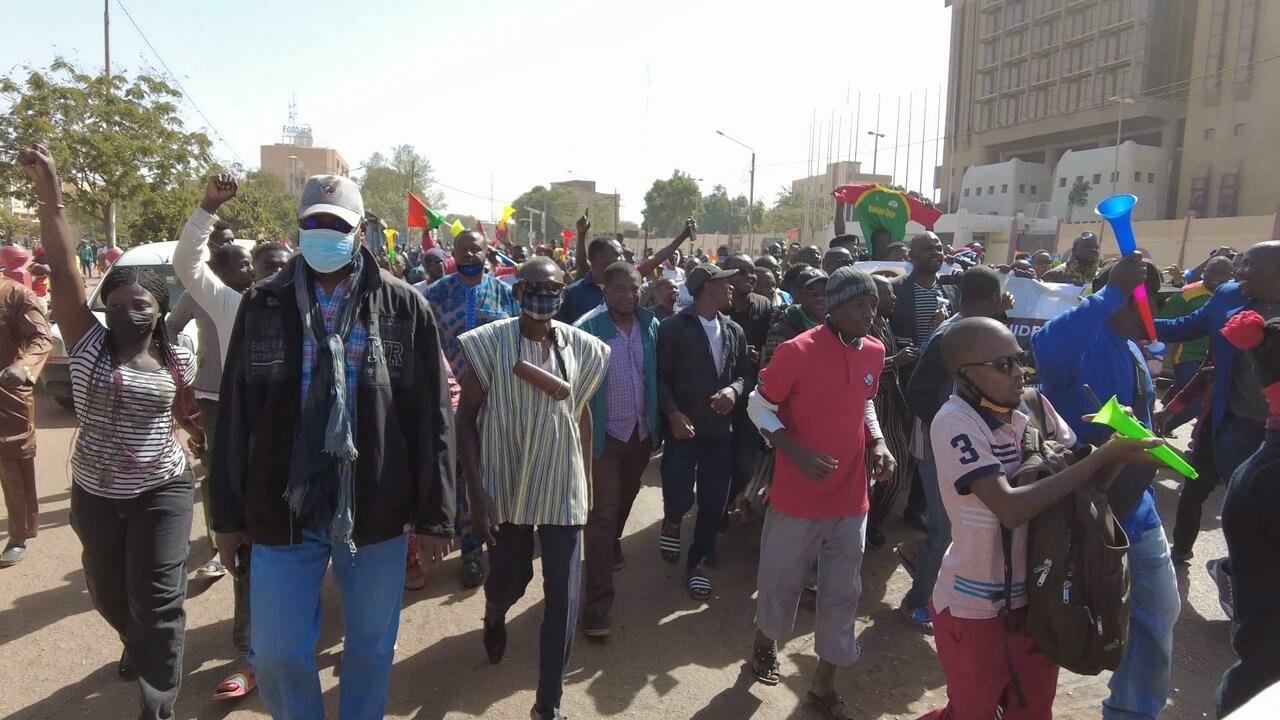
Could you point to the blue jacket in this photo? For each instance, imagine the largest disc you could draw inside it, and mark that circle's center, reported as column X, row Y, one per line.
column 581, row 297
column 598, row 324
column 1208, row 320
column 1078, row 348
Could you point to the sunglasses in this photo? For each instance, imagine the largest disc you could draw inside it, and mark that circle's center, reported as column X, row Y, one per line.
column 324, row 221
column 546, row 287
column 1005, row 364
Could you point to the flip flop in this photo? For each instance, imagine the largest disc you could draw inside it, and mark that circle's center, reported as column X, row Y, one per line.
column 669, row 543
column 237, row 685
column 831, row 706
column 699, row 587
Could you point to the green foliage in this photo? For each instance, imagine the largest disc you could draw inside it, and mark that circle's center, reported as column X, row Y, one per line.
column 563, row 211
column 716, row 213
column 1078, row 197
column 787, row 213
column 13, row 226
column 669, row 202
column 388, row 180
column 264, row 209
column 115, row 140
column 157, row 214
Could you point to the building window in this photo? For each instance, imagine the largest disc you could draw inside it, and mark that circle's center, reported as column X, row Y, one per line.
column 979, row 193
column 1079, row 178
column 1239, row 129
column 1217, row 44
column 991, row 189
column 1115, row 176
column 1062, row 182
column 966, row 192
column 1228, row 192
column 1151, row 177
column 1004, row 189
column 1033, row 189
column 1208, row 133
column 1137, row 177
column 1022, row 189
column 1097, row 178
column 1244, row 45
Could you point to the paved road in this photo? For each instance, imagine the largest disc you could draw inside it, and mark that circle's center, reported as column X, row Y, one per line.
column 668, row 657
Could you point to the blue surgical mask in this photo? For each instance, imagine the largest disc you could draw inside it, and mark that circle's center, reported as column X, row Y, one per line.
column 540, row 307
column 471, row 270
column 326, row 250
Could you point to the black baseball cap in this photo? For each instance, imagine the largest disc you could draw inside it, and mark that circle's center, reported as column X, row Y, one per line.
column 698, row 276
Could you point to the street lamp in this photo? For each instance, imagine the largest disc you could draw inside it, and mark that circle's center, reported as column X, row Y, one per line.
column 751, row 192
column 875, row 149
column 1115, row 170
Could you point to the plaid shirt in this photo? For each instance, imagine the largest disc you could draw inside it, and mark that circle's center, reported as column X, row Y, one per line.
column 626, row 385
column 355, row 341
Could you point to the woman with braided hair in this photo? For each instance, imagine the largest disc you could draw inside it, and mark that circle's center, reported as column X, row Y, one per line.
column 131, row 496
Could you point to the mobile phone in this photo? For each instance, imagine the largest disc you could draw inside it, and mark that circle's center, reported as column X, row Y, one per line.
column 1093, row 398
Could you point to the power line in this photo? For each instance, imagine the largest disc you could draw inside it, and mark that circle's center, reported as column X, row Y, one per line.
column 173, row 76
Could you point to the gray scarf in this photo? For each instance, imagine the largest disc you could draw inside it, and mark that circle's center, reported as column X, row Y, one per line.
column 322, row 471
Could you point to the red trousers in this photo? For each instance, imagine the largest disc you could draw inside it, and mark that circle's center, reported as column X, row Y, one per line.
column 972, row 653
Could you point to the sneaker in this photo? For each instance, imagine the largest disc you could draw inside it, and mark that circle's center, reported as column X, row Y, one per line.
column 211, row 570
column 619, row 561
column 473, row 571
column 14, row 553
column 595, row 624
column 495, row 637
column 415, row 578
column 1221, row 578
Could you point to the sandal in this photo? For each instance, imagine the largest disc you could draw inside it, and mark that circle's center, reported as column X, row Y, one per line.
column 669, row 542
column 831, row 706
column 764, row 664
column 699, row 587
column 919, row 618
column 237, row 685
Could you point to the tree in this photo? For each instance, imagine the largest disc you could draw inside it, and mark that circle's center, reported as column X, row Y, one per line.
column 787, row 213
column 1078, row 197
column 14, row 226
column 264, row 209
column 159, row 213
column 716, row 213
column 669, row 202
column 562, row 208
column 113, row 138
column 388, row 180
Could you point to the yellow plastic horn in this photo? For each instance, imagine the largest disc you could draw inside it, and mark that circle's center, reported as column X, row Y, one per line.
column 1114, row 417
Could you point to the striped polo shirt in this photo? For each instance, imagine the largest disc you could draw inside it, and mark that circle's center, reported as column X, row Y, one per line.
column 970, row 444
column 530, row 446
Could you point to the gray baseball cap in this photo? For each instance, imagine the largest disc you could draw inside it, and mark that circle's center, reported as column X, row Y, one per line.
column 332, row 194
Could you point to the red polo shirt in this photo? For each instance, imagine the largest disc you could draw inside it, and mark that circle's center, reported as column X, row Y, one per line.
column 821, row 388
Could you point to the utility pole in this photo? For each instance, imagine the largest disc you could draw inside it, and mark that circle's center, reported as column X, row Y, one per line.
column 110, row 214
column 751, row 192
column 875, row 151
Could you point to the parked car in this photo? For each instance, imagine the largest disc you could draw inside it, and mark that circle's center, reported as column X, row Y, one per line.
column 55, row 379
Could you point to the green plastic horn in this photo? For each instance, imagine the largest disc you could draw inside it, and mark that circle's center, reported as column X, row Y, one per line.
column 1114, row 417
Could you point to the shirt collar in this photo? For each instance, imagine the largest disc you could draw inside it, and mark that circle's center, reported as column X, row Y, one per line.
column 856, row 344
column 993, row 422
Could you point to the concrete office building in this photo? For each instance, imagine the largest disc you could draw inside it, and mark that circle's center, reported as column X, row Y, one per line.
column 295, row 158
column 1005, row 188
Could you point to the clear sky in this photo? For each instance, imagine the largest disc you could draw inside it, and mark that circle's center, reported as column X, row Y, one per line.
column 524, row 92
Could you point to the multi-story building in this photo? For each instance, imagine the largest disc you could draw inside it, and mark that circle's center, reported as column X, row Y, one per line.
column 815, row 191
column 1036, row 79
column 295, row 159
column 604, row 206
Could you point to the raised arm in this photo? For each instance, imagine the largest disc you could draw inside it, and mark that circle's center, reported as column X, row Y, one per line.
column 67, row 285
column 188, row 257
column 647, row 267
column 839, row 218
column 580, row 266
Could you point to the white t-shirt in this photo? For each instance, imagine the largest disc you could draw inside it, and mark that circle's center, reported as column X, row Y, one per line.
column 712, row 329
column 127, row 442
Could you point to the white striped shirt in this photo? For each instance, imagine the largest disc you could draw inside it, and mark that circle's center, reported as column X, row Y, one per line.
column 530, row 447
column 128, row 442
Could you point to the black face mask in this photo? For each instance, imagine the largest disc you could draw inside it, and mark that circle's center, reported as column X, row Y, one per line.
column 130, row 324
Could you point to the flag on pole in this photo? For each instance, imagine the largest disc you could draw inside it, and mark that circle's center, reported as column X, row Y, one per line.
column 567, row 234
column 480, row 229
column 417, row 213
column 456, row 228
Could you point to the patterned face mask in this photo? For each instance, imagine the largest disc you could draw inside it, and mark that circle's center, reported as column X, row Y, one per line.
column 540, row 307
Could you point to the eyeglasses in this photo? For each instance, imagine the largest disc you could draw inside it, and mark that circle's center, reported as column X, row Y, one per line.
column 325, row 221
column 1006, row 363
column 546, row 287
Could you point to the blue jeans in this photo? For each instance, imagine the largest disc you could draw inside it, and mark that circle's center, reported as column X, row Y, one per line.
column 285, row 602
column 936, row 541
column 702, row 464
column 1140, row 686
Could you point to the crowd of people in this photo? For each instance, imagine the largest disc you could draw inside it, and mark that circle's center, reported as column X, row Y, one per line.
column 373, row 415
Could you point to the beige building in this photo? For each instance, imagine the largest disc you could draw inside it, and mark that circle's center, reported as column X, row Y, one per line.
column 296, row 159
column 1033, row 79
column 604, row 206
column 820, row 206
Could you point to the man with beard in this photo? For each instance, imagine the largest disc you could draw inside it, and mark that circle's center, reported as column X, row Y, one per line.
column 593, row 259
column 815, row 405
column 525, row 461
column 462, row 302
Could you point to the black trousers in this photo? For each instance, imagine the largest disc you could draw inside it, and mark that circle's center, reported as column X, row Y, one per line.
column 135, row 556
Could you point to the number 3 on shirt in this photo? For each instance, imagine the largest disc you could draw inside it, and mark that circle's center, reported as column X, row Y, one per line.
column 968, row 454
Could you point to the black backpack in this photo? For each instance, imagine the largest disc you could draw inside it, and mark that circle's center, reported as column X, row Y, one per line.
column 1077, row 565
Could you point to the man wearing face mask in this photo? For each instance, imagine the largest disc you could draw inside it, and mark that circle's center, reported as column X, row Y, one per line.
column 534, row 377
column 462, row 302
column 333, row 437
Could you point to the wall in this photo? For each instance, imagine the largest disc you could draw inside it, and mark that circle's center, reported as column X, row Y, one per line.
column 1150, row 163
column 310, row 161
column 1165, row 238
column 1004, row 188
